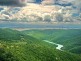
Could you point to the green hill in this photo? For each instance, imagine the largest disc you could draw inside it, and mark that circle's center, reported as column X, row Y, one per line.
column 8, row 34
column 70, row 38
column 17, row 46
column 76, row 50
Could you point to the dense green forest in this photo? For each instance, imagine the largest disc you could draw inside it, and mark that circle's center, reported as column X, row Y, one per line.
column 70, row 38
column 28, row 45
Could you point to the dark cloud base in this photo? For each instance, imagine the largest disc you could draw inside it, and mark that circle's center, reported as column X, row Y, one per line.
column 68, row 4
column 10, row 3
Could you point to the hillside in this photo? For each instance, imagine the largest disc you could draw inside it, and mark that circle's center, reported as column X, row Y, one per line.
column 70, row 38
column 30, row 49
column 13, row 35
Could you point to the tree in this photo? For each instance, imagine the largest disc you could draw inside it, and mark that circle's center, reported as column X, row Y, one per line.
column 6, row 56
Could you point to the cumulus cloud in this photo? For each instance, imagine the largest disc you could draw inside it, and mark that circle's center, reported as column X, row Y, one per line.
column 68, row 0
column 13, row 2
column 77, row 4
column 31, row 1
column 56, row 1
column 48, row 2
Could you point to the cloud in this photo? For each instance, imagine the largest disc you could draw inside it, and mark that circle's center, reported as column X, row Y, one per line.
column 48, row 2
column 77, row 4
column 66, row 2
column 31, row 1
column 13, row 2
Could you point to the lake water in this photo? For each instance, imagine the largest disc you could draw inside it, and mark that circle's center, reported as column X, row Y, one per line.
column 59, row 46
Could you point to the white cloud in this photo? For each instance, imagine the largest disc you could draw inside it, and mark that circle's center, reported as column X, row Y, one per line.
column 31, row 1
column 48, row 2
column 68, row 0
column 77, row 4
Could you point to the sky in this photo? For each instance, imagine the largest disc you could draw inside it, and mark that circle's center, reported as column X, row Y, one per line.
column 7, row 2
column 17, row 2
column 75, row 3
column 63, row 4
column 13, row 2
